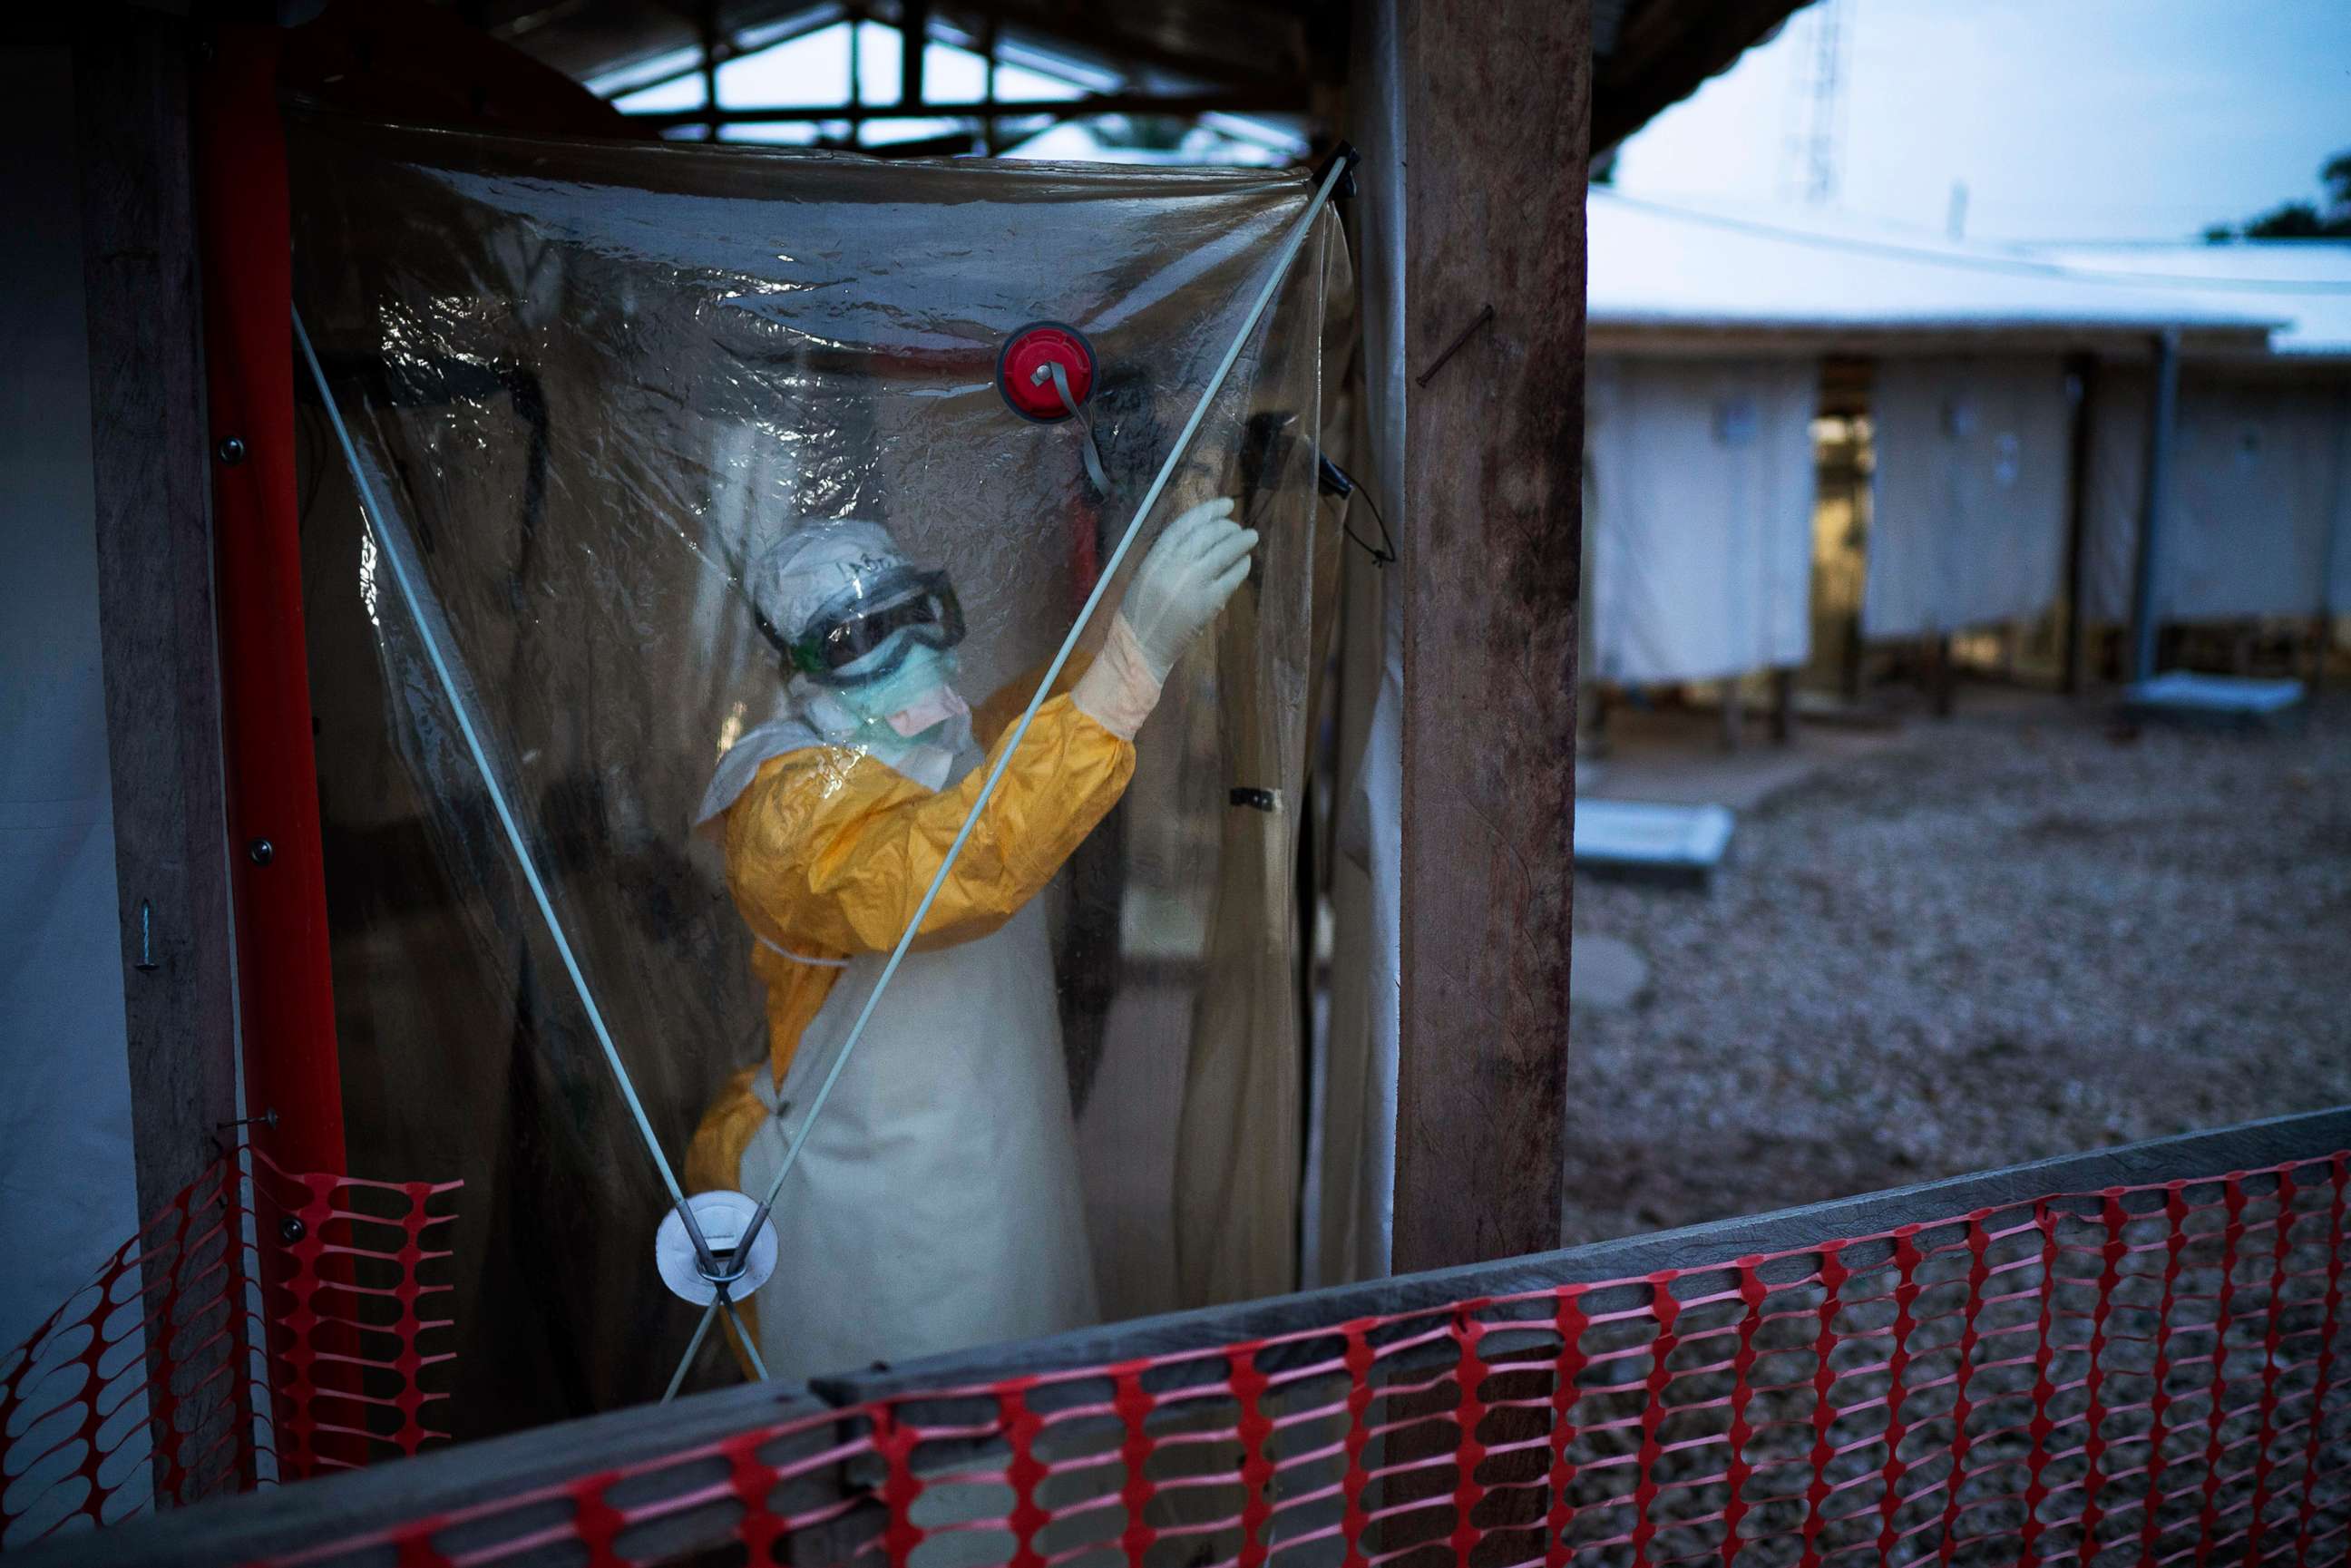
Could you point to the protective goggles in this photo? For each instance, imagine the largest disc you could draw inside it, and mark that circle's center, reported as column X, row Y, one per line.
column 904, row 608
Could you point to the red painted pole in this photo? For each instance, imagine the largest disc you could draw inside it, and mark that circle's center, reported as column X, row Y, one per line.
column 288, row 1011
column 284, row 982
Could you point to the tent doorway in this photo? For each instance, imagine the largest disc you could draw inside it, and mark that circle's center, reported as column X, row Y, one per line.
column 1844, row 457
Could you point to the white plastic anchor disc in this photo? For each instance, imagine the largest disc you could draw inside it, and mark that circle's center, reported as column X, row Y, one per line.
column 724, row 1217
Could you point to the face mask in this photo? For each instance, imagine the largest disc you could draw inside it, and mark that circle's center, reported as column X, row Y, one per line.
column 929, row 713
column 918, row 685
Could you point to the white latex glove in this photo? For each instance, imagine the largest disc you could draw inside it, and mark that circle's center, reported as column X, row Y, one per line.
column 1196, row 566
column 1177, row 592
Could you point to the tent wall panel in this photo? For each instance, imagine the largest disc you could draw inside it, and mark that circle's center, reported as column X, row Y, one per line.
column 1699, row 493
column 1970, row 505
column 2261, row 504
column 66, row 1160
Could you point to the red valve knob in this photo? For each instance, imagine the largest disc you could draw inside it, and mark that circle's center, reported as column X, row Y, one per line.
column 1024, row 370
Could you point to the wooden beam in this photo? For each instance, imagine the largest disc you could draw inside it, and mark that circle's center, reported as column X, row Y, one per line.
column 711, row 35
column 1496, row 113
column 913, row 47
column 1274, row 62
column 282, row 1521
column 1666, row 52
column 1182, row 106
column 152, row 484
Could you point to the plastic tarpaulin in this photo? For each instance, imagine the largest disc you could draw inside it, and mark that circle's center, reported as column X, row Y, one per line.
column 2260, row 511
column 1701, row 478
column 589, row 382
column 1968, row 507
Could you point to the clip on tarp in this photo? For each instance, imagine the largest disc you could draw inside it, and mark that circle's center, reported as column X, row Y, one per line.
column 1345, row 155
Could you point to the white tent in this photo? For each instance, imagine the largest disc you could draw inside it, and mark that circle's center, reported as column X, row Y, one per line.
column 1708, row 327
column 2259, row 515
column 2258, row 520
column 1698, row 481
column 1969, row 517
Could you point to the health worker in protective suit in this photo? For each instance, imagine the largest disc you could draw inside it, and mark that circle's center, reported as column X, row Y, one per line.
column 936, row 1205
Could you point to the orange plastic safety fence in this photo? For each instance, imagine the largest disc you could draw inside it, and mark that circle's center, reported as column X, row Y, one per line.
column 253, row 1331
column 2135, row 1375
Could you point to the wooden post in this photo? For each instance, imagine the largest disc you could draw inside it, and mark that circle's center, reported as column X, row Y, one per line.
column 151, row 476
column 152, row 483
column 2322, row 622
column 710, row 36
column 991, row 128
column 1942, row 676
column 914, row 38
column 1784, row 705
column 2162, row 413
column 856, row 77
column 1497, row 104
column 2084, row 373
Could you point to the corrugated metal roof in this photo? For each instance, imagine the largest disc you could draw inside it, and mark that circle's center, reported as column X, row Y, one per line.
column 2304, row 283
column 1659, row 266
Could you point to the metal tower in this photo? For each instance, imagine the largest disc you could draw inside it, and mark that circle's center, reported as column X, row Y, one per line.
column 1816, row 108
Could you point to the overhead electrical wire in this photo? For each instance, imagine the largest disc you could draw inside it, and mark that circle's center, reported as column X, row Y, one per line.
column 1975, row 260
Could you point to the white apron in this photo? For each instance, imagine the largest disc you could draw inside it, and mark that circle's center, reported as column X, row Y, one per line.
column 936, row 1205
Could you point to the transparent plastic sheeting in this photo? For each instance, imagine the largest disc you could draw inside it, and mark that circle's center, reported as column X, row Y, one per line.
column 590, row 381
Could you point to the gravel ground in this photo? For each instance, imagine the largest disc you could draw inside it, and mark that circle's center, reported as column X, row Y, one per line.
column 2004, row 938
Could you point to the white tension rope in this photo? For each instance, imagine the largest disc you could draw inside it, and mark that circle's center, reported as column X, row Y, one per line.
column 394, row 546
column 394, row 555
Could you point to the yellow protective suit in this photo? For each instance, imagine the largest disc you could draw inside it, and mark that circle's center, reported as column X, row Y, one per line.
column 828, row 849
